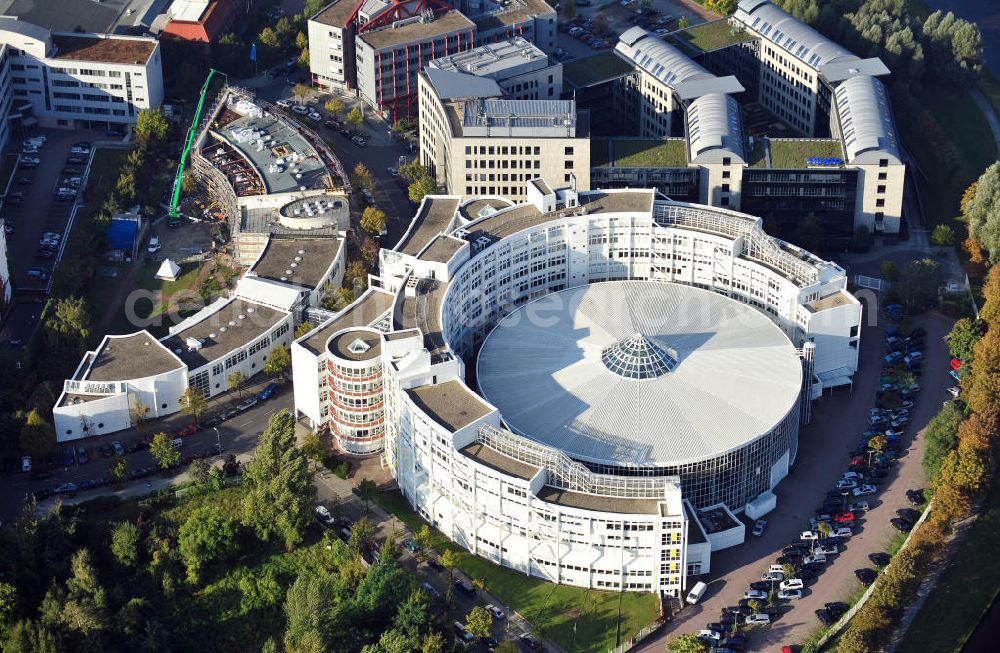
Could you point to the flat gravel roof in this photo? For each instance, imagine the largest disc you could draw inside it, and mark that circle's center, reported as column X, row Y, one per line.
column 640, row 373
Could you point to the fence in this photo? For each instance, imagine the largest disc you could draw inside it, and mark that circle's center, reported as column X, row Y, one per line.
column 630, row 643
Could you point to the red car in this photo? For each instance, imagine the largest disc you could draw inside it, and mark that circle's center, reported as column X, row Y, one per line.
column 844, row 517
column 185, row 431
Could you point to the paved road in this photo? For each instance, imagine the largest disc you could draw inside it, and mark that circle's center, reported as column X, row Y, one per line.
column 238, row 435
column 837, row 423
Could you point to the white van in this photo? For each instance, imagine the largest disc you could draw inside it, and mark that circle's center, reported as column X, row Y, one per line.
column 696, row 593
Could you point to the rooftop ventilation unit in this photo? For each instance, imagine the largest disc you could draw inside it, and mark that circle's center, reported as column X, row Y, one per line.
column 193, row 344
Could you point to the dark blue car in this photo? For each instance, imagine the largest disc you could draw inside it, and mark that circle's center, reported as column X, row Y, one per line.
column 268, row 390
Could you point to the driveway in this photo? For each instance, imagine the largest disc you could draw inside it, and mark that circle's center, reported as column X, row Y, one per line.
column 838, row 420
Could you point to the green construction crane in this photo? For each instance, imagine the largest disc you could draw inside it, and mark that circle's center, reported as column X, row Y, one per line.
column 174, row 215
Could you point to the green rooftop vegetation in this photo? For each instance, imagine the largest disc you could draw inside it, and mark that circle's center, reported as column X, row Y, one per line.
column 795, row 152
column 710, row 36
column 757, row 154
column 596, row 68
column 646, row 153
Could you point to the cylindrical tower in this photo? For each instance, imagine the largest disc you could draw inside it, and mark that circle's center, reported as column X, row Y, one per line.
column 357, row 407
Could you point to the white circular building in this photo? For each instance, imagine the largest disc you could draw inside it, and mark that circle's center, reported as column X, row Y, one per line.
column 648, row 378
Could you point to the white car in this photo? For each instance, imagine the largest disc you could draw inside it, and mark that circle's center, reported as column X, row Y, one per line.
column 755, row 595
column 314, row 115
column 301, row 110
column 843, row 531
column 760, row 619
column 772, row 576
column 495, row 611
column 816, row 557
column 758, row 528
column 80, row 151
column 791, row 584
column 26, row 464
column 30, row 159
column 865, row 489
column 324, row 517
column 828, row 549
column 809, row 535
column 709, row 635
column 284, row 104
column 154, row 245
column 852, row 476
column 846, row 484
column 954, row 391
column 790, row 595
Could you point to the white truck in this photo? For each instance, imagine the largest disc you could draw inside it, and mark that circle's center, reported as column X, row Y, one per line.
column 696, row 593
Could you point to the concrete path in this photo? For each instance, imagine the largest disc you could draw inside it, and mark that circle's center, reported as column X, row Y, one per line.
column 988, row 113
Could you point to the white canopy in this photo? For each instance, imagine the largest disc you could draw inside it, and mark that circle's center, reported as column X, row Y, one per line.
column 168, row 270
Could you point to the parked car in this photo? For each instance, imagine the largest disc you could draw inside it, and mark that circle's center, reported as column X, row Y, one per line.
column 299, row 109
column 879, row 558
column 495, row 611
column 828, row 549
column 901, row 525
column 758, row 527
column 246, row 404
column 772, row 576
column 758, row 595
column 865, row 490
column 268, row 390
column 324, row 517
column 154, row 245
column 844, row 517
column 759, row 619
column 809, row 535
column 790, row 595
column 791, row 584
column 529, row 641
column 465, row 587
column 66, row 488
column 118, row 448
column 825, row 617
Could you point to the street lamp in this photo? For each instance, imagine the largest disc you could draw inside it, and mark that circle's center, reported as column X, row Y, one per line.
column 218, row 439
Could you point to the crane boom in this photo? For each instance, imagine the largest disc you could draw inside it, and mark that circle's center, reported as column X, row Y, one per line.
column 174, row 214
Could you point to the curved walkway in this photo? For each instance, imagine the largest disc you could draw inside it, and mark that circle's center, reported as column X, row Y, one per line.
column 988, row 112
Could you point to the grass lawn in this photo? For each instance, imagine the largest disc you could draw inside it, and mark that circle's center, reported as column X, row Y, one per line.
column 595, row 68
column 103, row 175
column 794, row 153
column 758, row 155
column 552, row 609
column 710, row 36
column 965, row 590
column 648, row 153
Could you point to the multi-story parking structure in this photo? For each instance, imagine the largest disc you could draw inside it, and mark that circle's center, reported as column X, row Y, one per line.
column 75, row 80
column 523, row 472
column 376, row 48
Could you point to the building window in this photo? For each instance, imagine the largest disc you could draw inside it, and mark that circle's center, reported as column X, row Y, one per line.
column 569, row 151
column 726, row 174
column 881, row 188
column 880, row 202
column 882, row 176
column 883, row 163
column 727, row 161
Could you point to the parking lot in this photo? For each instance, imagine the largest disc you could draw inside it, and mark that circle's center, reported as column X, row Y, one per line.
column 825, row 447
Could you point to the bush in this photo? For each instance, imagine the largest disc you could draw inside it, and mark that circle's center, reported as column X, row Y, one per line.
column 337, row 465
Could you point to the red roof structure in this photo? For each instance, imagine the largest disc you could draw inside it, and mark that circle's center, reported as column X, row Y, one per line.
column 216, row 20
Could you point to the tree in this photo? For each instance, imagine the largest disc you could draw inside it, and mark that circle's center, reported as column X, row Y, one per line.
column 236, row 381
column 688, row 643
column 280, row 496
column 8, row 608
column 338, row 299
column 193, row 402
column 356, row 277
column 138, row 414
column 369, row 252
column 151, row 125
column 199, row 471
column 424, row 538
column 68, row 328
column 206, row 536
column 943, row 236
column 313, row 448
column 449, row 560
column 721, row 7
column 824, row 529
column 37, row 435
column 300, row 92
column 918, row 284
column 889, row 271
column 118, row 469
column 269, row 38
column 334, row 105
column 862, row 239
column 984, row 212
column 303, row 60
column 278, row 361
column 367, row 490
column 433, row 642
column 964, row 335
column 85, row 608
column 373, row 220
column 991, row 293
column 940, row 437
column 361, row 531
column 259, row 590
column 362, row 177
column 683, row 22
column 125, row 543
column 967, row 468
column 162, row 449
column 303, row 329
column 355, row 117
column 479, row 622
column 301, row 41
column 420, row 187
column 308, row 606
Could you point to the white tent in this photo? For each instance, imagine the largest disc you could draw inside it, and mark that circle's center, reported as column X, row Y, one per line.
column 168, row 270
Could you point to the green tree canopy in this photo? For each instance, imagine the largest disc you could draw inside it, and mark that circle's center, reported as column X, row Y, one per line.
column 236, row 381
column 278, row 361
column 207, row 536
column 373, row 220
column 303, row 329
column 984, row 212
column 686, row 644
column 37, row 435
column 162, row 449
column 420, row 187
column 280, row 494
column 355, row 117
column 125, row 543
column 479, row 622
column 193, row 402
column 334, row 105
column 307, row 612
column 151, row 124
column 918, row 284
column 362, row 177
column 964, row 335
